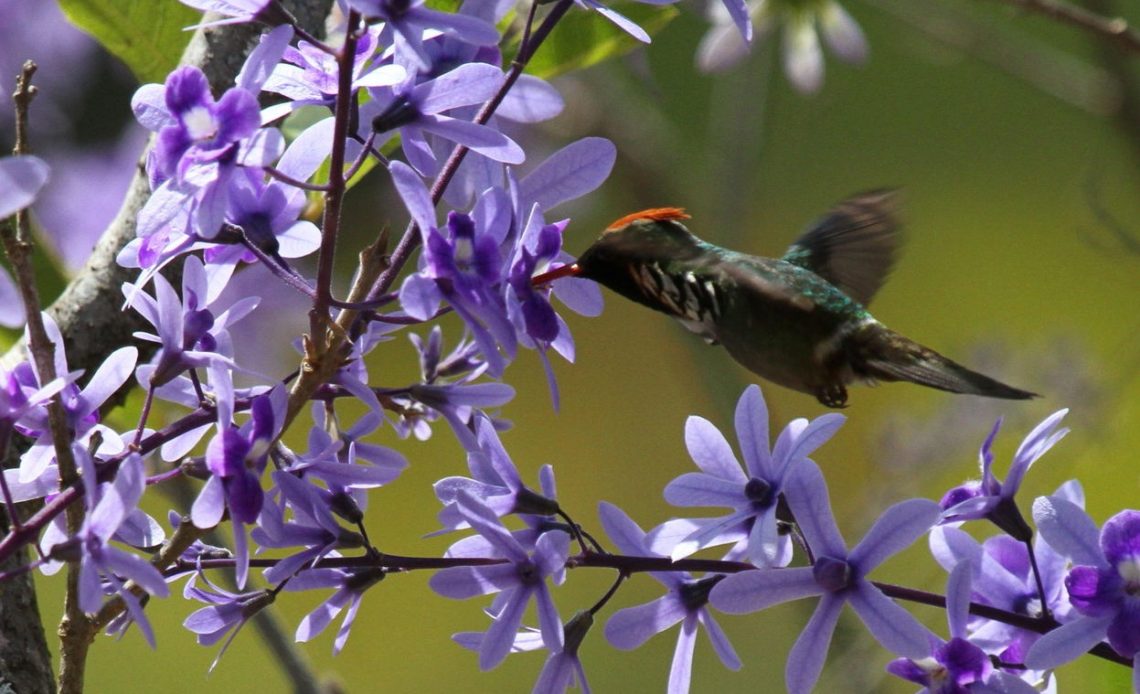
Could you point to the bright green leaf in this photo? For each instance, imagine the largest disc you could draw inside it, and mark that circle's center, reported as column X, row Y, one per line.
column 148, row 35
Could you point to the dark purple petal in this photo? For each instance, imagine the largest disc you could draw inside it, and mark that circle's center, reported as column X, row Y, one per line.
column 245, row 496
column 1095, row 592
column 1120, row 540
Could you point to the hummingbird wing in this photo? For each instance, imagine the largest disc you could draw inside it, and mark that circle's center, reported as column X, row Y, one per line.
column 854, row 245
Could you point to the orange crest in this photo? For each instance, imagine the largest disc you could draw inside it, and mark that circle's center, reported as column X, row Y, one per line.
column 656, row 214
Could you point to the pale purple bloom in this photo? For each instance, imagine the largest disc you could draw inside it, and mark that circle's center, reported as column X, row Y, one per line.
column 1103, row 585
column 837, row 576
column 464, row 268
column 347, row 464
column 189, row 332
column 350, row 585
column 754, row 491
column 18, row 397
column 993, row 499
column 562, row 669
column 416, row 109
column 495, row 482
column 408, row 19
column 1003, row 578
column 686, row 602
column 103, row 567
column 81, row 407
column 21, row 179
column 724, row 45
column 957, row 666
column 312, row 526
column 522, row 577
column 201, row 143
column 226, row 612
column 309, row 76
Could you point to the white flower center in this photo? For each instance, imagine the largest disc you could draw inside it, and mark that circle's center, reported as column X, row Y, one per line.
column 200, row 123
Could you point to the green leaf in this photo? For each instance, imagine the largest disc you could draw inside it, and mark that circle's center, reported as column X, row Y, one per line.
column 582, row 38
column 148, row 35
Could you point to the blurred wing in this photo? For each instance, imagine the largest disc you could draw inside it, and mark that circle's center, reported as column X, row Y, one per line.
column 854, row 245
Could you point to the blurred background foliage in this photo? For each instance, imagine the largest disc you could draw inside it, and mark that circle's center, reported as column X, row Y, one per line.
column 1023, row 260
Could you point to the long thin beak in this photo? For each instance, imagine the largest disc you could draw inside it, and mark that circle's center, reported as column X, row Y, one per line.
column 571, row 270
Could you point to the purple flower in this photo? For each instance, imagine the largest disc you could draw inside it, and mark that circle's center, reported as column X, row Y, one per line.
column 310, row 76
column 993, row 499
column 81, row 407
column 350, row 585
column 837, row 576
column 335, row 462
column 522, row 577
column 103, row 567
column 495, row 482
column 562, row 669
column 226, row 612
column 1104, row 583
column 725, row 44
column 409, row 18
column 188, row 330
column 235, row 11
column 312, row 527
column 415, row 109
column 958, row 665
column 201, row 144
column 1003, row 577
column 753, row 492
column 236, row 458
column 685, row 602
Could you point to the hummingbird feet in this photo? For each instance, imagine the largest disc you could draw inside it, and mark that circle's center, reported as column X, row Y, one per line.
column 834, row 395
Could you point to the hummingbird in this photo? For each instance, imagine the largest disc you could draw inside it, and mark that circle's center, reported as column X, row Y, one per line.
column 801, row 320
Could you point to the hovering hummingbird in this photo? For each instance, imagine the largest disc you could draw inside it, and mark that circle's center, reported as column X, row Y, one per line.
column 799, row 321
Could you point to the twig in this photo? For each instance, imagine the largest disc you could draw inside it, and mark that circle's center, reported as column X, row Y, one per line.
column 75, row 628
column 1114, row 28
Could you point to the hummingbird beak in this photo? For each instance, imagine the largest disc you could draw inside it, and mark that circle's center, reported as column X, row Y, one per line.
column 571, row 270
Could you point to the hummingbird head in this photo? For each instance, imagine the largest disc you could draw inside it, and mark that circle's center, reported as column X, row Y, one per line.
column 649, row 236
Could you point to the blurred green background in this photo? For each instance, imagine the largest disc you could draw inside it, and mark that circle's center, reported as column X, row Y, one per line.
column 1022, row 260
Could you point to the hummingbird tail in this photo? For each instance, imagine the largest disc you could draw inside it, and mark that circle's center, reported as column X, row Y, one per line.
column 888, row 356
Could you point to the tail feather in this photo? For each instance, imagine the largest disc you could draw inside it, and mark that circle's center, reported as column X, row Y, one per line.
column 885, row 355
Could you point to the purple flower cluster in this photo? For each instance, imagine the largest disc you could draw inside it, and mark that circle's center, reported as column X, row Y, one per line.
column 429, row 98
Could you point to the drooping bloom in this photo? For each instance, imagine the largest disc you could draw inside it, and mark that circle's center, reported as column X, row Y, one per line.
column 517, row 581
column 990, row 497
column 753, row 492
column 837, row 576
column 104, row 568
column 495, row 482
column 350, row 585
column 686, row 602
column 803, row 22
column 225, row 613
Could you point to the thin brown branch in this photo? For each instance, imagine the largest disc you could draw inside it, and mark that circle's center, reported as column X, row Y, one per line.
column 1114, row 28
